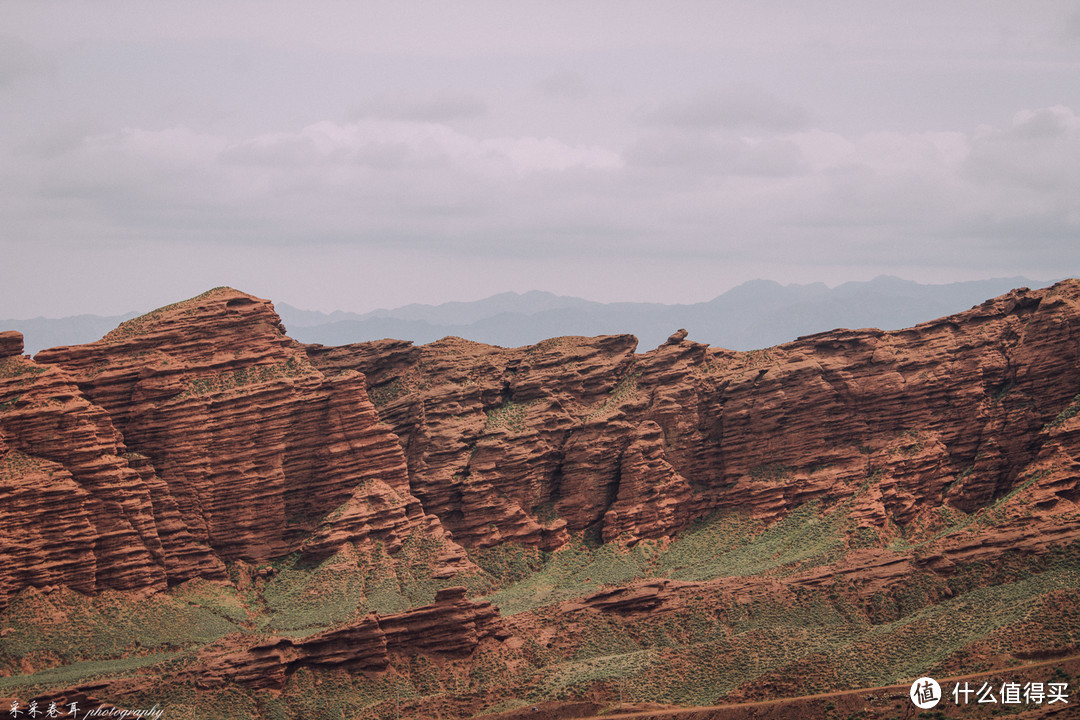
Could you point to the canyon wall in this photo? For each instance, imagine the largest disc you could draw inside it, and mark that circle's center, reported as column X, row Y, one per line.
column 200, row 434
column 583, row 434
column 189, row 437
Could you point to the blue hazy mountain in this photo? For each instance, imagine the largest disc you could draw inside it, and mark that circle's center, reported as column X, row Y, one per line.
column 40, row 332
column 755, row 314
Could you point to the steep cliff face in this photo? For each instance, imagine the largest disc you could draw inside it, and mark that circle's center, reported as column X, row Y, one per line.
column 78, row 509
column 494, row 438
column 583, row 434
column 200, row 433
column 193, row 435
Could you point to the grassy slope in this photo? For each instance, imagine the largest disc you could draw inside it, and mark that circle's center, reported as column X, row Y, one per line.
column 813, row 640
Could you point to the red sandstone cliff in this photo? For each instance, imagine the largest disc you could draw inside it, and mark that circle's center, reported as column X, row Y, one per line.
column 79, row 510
column 580, row 434
column 201, row 433
column 451, row 626
column 195, row 434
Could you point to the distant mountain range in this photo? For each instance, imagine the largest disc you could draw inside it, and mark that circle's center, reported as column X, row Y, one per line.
column 40, row 332
column 755, row 314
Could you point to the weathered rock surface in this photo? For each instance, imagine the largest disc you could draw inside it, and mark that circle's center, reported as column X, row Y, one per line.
column 641, row 597
column 582, row 434
column 201, row 434
column 11, row 343
column 452, row 626
column 79, row 510
column 196, row 434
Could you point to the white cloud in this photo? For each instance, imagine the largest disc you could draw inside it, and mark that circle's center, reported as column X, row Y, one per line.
column 398, row 145
column 704, row 155
column 374, row 180
column 134, row 165
column 1039, row 152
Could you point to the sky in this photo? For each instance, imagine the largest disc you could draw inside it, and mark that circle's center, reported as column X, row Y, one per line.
column 357, row 155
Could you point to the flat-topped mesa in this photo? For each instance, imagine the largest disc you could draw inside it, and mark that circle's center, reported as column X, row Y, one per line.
column 582, row 434
column 257, row 447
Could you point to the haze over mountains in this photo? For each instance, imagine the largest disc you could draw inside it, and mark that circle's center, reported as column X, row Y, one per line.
column 756, row 314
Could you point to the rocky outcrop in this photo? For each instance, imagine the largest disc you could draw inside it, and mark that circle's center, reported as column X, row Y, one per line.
column 487, row 431
column 196, row 434
column 582, row 434
column 452, row 626
column 646, row 596
column 261, row 451
column 79, row 509
column 200, row 433
column 11, row 343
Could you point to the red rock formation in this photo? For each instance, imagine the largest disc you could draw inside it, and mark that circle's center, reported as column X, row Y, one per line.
column 79, row 510
column 11, row 343
column 201, row 433
column 485, row 430
column 581, row 434
column 256, row 445
column 196, row 433
column 452, row 626
column 640, row 597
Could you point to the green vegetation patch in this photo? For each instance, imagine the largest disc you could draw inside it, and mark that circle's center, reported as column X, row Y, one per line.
column 732, row 545
column 17, row 366
column 65, row 627
column 77, row 672
column 1071, row 410
column 917, row 642
column 14, row 463
column 626, row 389
column 722, row 545
column 293, row 367
column 510, row 415
column 388, row 393
column 572, row 571
column 353, row 582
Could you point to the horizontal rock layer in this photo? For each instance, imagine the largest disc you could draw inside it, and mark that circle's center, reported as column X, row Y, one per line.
column 582, row 434
column 200, row 433
column 191, row 436
column 11, row 343
column 452, row 626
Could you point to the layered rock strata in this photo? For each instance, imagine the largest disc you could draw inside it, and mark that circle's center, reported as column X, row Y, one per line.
column 200, row 433
column 193, row 435
column 11, row 343
column 582, row 434
column 452, row 626
column 77, row 508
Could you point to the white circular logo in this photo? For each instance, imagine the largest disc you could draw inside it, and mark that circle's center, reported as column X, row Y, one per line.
column 925, row 693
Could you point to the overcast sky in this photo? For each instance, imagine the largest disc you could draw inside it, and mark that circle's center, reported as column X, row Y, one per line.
column 358, row 155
